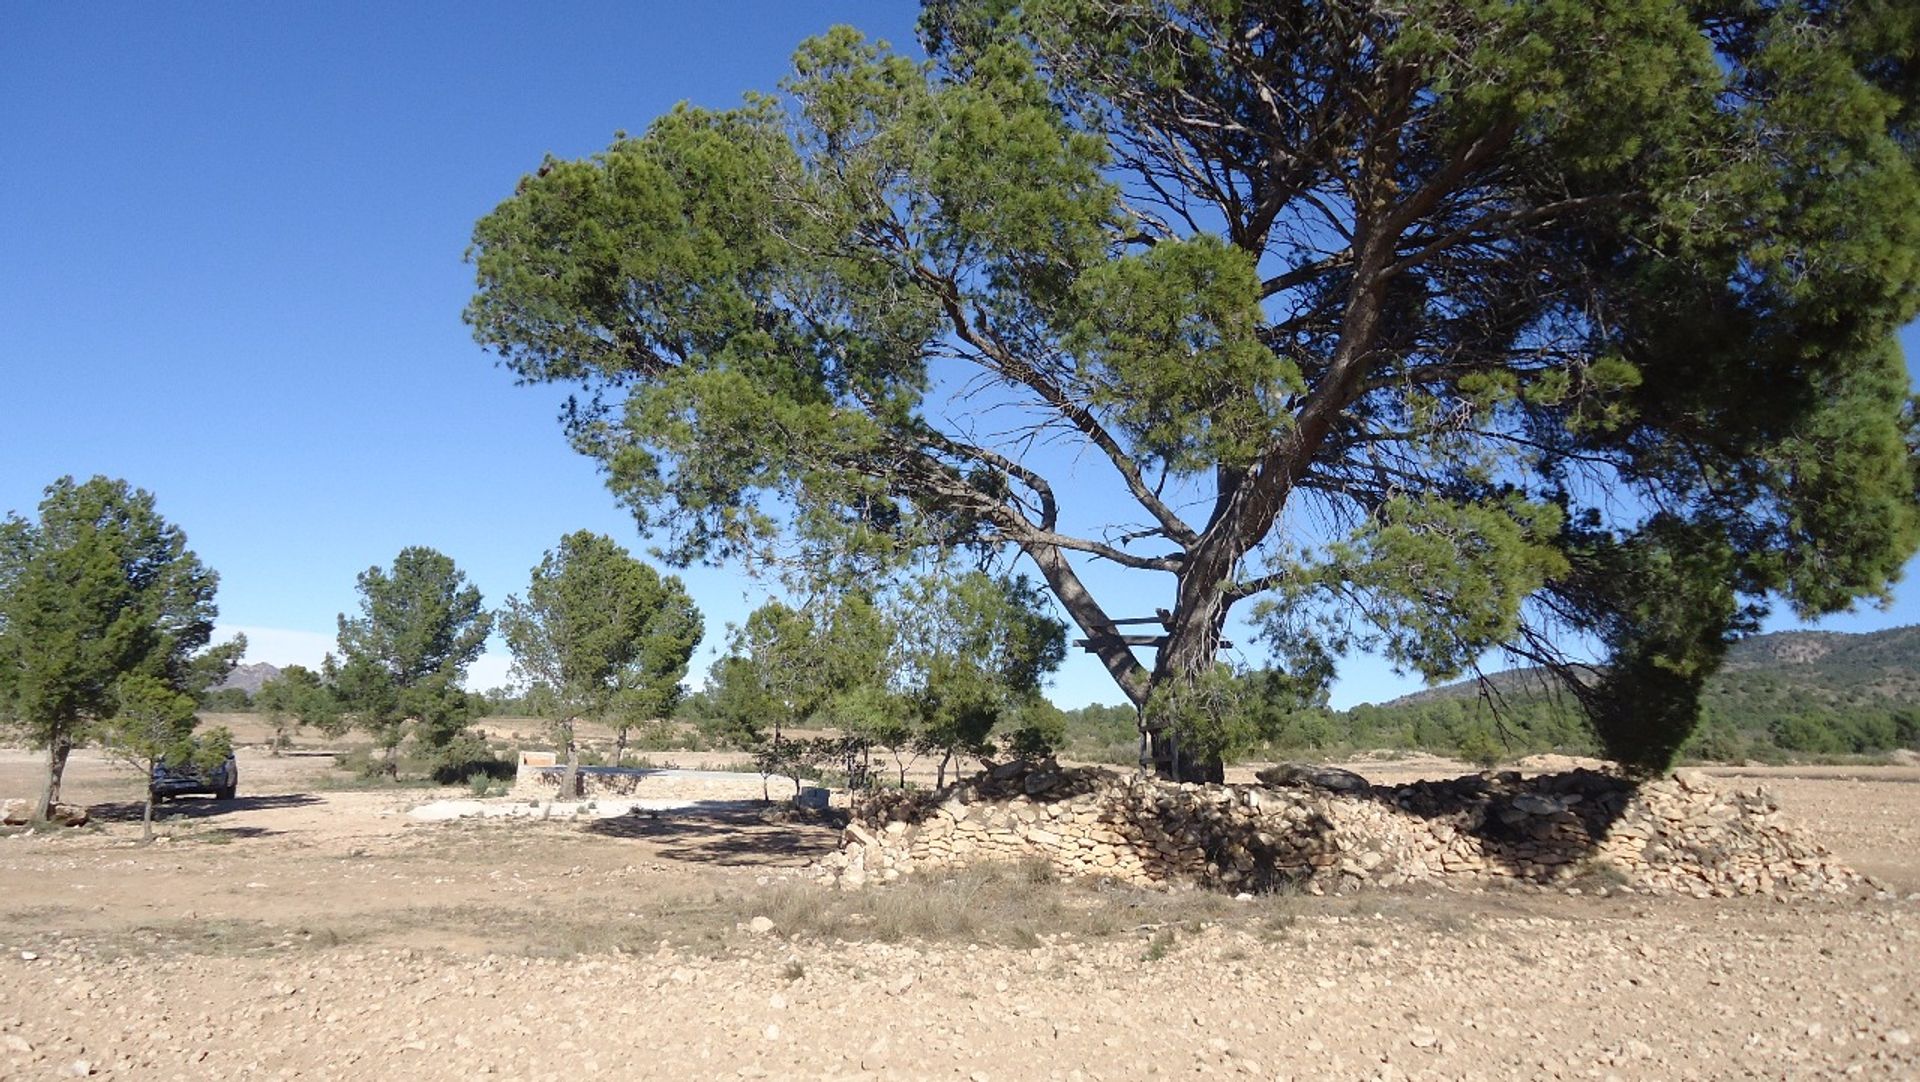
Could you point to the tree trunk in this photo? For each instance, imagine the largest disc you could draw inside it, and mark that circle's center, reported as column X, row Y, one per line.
column 57, row 752
column 146, row 814
column 620, row 748
column 570, row 778
column 1171, row 763
column 1190, row 654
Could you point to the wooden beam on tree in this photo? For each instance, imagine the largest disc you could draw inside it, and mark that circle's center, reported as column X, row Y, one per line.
column 1156, row 641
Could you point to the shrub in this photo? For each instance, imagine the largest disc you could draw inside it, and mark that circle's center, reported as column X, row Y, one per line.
column 466, row 756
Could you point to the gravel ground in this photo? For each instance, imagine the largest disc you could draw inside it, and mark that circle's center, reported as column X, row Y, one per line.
column 305, row 932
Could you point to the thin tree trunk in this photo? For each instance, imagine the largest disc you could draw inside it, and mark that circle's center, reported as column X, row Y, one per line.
column 570, row 779
column 146, row 815
column 620, row 748
column 57, row 752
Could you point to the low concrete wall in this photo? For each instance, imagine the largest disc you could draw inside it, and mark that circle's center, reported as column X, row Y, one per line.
column 538, row 776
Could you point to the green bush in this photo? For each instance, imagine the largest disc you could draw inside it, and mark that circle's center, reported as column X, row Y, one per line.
column 1479, row 746
column 466, row 756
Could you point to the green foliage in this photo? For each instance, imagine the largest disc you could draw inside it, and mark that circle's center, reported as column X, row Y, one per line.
column 1807, row 694
column 603, row 633
column 155, row 724
column 734, row 704
column 976, row 649
column 99, row 597
column 152, row 722
column 402, row 658
column 466, row 757
column 1211, row 716
column 1399, row 321
column 939, row 667
column 297, row 698
column 226, row 701
column 1665, row 604
column 1479, row 746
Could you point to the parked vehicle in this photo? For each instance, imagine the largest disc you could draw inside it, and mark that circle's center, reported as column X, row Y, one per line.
column 220, row 781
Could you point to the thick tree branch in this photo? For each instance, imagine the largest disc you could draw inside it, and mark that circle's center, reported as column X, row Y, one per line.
column 1019, row 371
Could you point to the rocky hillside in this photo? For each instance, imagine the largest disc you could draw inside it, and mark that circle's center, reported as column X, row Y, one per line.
column 1799, row 693
column 1822, row 666
column 248, row 678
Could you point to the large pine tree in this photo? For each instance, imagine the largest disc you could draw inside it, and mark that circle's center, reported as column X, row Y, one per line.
column 1432, row 326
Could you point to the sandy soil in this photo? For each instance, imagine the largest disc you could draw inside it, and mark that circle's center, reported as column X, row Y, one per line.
column 306, row 930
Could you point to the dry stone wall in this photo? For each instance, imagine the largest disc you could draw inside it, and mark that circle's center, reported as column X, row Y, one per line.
column 1326, row 830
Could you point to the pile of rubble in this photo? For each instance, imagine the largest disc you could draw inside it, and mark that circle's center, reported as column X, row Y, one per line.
column 1321, row 829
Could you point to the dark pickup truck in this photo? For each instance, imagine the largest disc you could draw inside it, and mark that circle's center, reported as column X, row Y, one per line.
column 221, row 781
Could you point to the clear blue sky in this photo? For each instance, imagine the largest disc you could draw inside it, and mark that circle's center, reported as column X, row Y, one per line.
column 233, row 276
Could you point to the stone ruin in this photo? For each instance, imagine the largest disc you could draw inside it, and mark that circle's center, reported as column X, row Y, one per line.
column 1322, row 830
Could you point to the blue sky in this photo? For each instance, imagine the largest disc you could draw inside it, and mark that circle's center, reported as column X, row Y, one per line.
column 233, row 276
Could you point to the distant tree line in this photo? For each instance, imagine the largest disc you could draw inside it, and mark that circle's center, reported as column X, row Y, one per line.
column 935, row 668
column 1753, row 715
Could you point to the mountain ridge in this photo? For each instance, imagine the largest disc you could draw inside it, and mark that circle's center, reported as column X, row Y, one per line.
column 1885, row 662
column 248, row 678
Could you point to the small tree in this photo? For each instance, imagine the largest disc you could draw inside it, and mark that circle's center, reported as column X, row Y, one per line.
column 402, row 658
column 977, row 649
column 824, row 662
column 154, row 724
column 297, row 698
column 734, row 704
column 99, row 589
column 606, row 633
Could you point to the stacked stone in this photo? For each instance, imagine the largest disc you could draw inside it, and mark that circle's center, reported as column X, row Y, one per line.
column 1326, row 830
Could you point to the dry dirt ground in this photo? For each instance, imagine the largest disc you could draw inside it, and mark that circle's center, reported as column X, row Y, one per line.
column 306, row 930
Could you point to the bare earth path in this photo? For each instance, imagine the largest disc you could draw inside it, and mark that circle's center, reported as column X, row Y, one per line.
column 306, row 932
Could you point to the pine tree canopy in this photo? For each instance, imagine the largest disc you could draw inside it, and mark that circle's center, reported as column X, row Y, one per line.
column 1428, row 327
column 420, row 625
column 606, row 632
column 101, row 604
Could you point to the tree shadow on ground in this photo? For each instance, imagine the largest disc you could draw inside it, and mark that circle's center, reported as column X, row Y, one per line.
column 179, row 808
column 732, row 832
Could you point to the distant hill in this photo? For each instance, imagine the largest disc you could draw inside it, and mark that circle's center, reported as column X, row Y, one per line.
column 248, row 678
column 1791, row 692
column 1831, row 667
